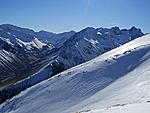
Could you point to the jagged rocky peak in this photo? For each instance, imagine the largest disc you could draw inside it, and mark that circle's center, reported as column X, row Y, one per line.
column 89, row 29
column 115, row 30
column 102, row 30
column 135, row 32
column 88, row 32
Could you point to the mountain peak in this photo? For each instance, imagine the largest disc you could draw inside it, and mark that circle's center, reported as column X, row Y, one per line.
column 89, row 29
column 135, row 32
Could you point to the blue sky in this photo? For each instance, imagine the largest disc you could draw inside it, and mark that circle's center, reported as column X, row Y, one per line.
column 65, row 15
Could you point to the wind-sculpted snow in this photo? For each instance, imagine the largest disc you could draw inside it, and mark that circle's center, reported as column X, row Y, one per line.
column 118, row 79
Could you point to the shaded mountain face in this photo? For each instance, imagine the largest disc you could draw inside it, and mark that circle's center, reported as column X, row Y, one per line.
column 63, row 51
column 19, row 47
column 23, row 53
column 111, row 82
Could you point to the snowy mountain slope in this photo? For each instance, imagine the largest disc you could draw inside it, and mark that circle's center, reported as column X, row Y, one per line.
column 130, row 108
column 118, row 78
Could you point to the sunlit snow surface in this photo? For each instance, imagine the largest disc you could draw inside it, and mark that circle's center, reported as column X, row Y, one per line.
column 130, row 108
column 117, row 81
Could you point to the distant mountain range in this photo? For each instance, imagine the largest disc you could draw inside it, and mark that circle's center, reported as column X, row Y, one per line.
column 28, row 57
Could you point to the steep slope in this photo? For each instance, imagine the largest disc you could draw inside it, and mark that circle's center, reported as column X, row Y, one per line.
column 117, row 78
column 23, row 53
column 19, row 48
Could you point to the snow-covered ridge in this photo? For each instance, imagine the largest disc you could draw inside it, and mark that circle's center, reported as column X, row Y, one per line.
column 12, row 33
column 21, row 36
column 118, row 78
